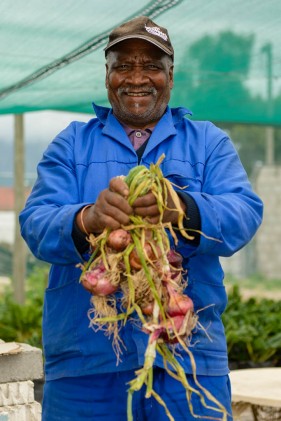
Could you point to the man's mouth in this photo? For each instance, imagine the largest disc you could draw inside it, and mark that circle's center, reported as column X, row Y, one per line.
column 138, row 93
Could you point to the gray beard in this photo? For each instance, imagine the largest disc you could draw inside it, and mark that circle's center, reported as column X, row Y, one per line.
column 136, row 118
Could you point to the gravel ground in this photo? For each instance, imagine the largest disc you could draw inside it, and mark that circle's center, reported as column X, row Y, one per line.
column 262, row 414
column 246, row 415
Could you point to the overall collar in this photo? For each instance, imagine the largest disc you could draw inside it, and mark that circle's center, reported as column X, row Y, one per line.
column 163, row 129
column 176, row 113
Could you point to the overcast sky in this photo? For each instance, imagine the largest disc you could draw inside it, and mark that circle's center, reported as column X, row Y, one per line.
column 39, row 126
column 39, row 130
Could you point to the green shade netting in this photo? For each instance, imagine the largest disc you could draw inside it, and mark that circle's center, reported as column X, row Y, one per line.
column 227, row 55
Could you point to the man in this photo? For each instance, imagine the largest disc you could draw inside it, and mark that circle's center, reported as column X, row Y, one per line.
column 78, row 192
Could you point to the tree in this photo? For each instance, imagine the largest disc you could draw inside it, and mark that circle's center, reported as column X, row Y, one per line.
column 212, row 75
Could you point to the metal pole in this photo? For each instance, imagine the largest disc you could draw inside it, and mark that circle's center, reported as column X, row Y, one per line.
column 269, row 142
column 269, row 133
column 19, row 254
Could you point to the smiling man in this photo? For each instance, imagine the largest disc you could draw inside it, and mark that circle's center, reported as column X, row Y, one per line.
column 79, row 191
column 139, row 78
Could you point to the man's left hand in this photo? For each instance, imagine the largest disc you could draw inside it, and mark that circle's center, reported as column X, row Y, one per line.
column 146, row 206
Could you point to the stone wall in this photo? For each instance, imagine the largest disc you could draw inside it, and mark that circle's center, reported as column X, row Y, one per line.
column 19, row 365
column 263, row 254
column 268, row 239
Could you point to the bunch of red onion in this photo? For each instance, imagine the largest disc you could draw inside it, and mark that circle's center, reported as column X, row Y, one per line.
column 137, row 264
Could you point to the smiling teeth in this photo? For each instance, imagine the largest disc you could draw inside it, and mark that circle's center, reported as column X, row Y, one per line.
column 137, row 94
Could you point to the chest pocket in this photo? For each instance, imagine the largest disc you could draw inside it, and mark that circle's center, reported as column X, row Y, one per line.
column 183, row 175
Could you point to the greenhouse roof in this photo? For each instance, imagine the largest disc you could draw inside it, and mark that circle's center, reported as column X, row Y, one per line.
column 227, row 55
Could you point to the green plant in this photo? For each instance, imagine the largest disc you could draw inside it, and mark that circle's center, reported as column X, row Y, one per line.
column 253, row 329
column 22, row 323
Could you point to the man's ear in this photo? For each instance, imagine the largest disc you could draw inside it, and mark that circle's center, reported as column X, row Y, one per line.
column 106, row 76
column 171, row 77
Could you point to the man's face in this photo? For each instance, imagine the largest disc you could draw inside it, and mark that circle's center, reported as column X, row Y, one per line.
column 139, row 78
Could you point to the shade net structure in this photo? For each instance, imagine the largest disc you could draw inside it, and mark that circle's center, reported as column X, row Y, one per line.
column 227, row 55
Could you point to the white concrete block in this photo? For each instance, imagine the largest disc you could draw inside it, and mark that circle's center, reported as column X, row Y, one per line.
column 16, row 393
column 28, row 412
column 24, row 365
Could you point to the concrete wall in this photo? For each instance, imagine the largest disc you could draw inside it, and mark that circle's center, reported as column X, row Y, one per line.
column 7, row 227
column 19, row 365
column 263, row 254
column 268, row 239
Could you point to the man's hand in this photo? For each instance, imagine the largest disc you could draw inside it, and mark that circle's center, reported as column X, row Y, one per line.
column 113, row 210
column 110, row 210
column 146, row 206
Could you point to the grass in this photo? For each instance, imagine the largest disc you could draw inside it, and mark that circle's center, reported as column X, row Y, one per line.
column 257, row 284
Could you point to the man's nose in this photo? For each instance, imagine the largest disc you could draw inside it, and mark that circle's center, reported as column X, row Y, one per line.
column 137, row 75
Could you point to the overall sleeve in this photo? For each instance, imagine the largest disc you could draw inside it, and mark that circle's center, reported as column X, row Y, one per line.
column 229, row 209
column 47, row 219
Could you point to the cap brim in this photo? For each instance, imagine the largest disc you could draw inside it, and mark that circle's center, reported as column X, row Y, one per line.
column 152, row 41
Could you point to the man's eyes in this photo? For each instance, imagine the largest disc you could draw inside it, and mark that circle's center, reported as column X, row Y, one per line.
column 151, row 66
column 124, row 66
column 128, row 67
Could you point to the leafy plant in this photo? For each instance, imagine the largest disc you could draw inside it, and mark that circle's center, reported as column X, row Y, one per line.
column 22, row 323
column 253, row 329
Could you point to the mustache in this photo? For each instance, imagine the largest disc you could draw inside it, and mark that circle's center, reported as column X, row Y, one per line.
column 137, row 90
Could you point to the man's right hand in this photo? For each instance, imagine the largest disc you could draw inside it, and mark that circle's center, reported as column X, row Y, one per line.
column 110, row 210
